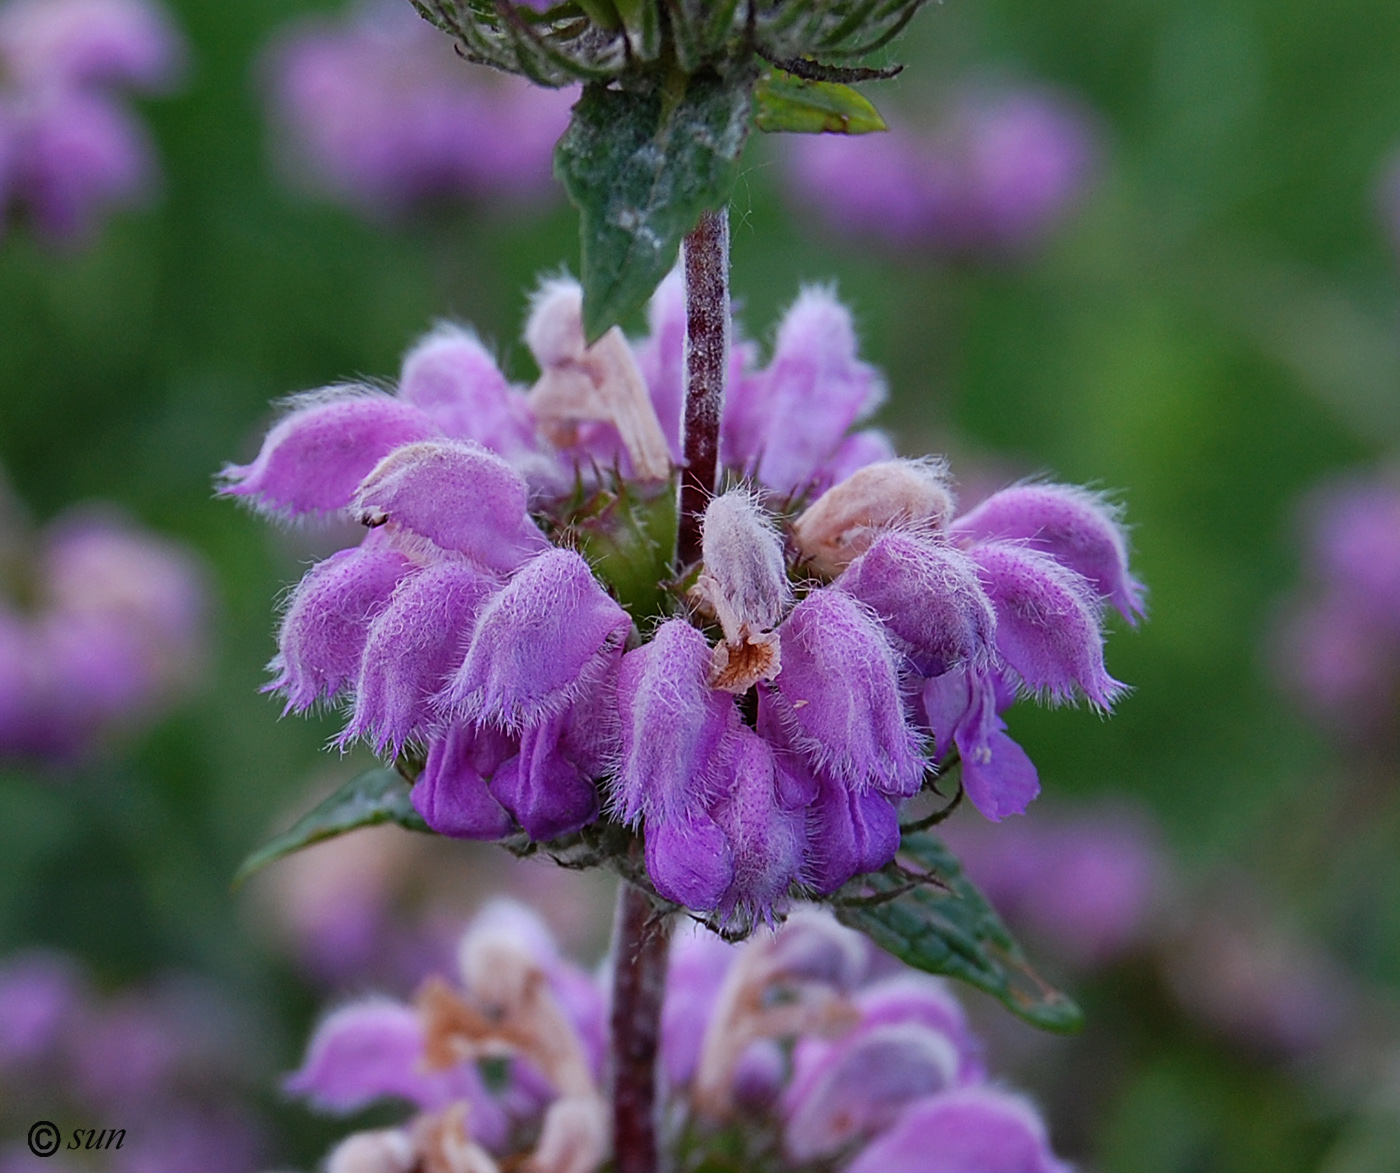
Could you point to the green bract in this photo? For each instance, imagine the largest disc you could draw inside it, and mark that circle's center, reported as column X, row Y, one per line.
column 671, row 88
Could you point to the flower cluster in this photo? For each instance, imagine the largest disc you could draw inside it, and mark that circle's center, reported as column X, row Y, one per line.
column 1340, row 646
column 167, row 1063
column 68, row 148
column 784, row 1042
column 994, row 176
column 384, row 115
column 112, row 627
column 761, row 714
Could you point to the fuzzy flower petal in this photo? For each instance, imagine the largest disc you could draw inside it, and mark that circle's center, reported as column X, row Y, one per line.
column 457, row 495
column 1073, row 525
column 744, row 581
column 324, row 630
column 413, row 645
column 798, row 411
column 314, row 459
column 673, row 726
column 765, row 841
column 838, row 696
column 1048, row 622
column 929, row 598
column 452, row 377
column 690, row 860
column 548, row 794
column 451, row 793
column 848, row 834
column 544, row 641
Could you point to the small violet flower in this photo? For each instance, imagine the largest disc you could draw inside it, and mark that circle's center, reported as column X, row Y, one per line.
column 378, row 111
column 68, row 147
column 763, row 716
column 999, row 171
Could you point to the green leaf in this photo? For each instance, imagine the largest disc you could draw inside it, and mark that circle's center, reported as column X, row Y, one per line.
column 376, row 796
column 795, row 104
column 641, row 166
column 932, row 917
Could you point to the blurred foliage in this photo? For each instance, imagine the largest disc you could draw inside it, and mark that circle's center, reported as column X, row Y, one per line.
column 1216, row 330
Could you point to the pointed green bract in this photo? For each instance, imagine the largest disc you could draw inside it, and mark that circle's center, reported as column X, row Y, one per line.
column 931, row 916
column 641, row 166
column 785, row 102
column 376, row 796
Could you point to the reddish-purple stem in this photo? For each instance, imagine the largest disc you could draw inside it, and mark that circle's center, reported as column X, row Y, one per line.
column 641, row 935
column 705, row 256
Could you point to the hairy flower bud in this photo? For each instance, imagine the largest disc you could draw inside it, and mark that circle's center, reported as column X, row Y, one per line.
column 744, row 585
column 844, row 521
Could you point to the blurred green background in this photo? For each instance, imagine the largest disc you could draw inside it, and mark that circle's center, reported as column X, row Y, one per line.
column 1215, row 330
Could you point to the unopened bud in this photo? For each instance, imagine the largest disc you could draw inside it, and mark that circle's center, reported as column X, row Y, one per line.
column 842, row 523
column 744, row 582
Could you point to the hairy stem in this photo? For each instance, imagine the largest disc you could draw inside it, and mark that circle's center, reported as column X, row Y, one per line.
column 705, row 255
column 641, row 934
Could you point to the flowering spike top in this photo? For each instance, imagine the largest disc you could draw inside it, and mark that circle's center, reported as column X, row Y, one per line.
column 512, row 628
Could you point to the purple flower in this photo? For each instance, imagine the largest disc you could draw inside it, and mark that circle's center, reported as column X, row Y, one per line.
column 90, row 42
column 1085, row 883
column 1076, row 526
column 765, row 728
column 972, row 1130
column 40, row 999
column 117, row 631
column 370, row 1050
column 68, row 148
column 519, row 1001
column 994, row 176
column 785, row 423
column 1339, row 642
column 378, row 111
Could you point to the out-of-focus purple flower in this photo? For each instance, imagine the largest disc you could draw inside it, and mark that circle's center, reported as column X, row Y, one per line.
column 117, row 628
column 68, row 148
column 973, row 1130
column 784, row 1028
column 997, row 172
column 384, row 115
column 166, row 1062
column 1085, row 883
column 1253, row 980
column 40, row 996
column 1339, row 646
column 520, row 1002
